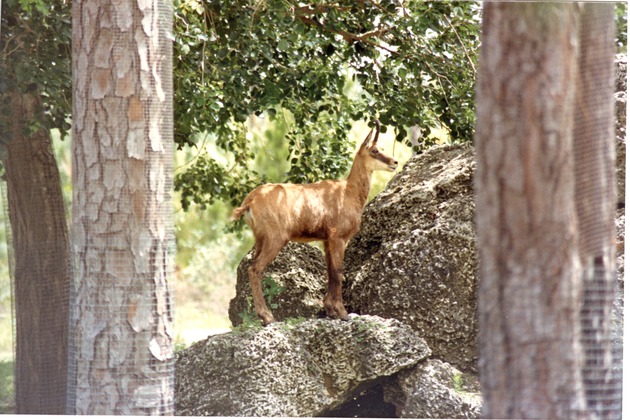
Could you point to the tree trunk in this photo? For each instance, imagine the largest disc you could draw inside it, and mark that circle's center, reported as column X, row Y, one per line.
column 42, row 265
column 530, row 273
column 122, row 208
column 595, row 196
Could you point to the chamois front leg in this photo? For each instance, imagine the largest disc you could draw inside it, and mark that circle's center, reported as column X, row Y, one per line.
column 259, row 300
column 333, row 302
column 266, row 251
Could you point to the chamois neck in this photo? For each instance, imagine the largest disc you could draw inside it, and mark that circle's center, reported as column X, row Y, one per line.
column 359, row 181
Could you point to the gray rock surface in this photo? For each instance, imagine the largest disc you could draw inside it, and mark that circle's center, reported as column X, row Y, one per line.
column 291, row 370
column 435, row 389
column 300, row 270
column 415, row 258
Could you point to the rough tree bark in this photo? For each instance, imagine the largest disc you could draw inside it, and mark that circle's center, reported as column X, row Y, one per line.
column 530, row 273
column 122, row 142
column 42, row 264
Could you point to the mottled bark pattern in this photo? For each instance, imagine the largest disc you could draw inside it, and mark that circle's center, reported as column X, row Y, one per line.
column 42, row 265
column 530, row 275
column 122, row 136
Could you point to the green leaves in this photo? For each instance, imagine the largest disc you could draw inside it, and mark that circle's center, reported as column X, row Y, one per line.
column 325, row 65
column 207, row 180
column 35, row 58
column 319, row 65
column 38, row 5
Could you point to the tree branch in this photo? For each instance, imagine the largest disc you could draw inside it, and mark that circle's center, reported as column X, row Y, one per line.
column 472, row 65
column 350, row 37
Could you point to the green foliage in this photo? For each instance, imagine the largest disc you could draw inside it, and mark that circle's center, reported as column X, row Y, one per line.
column 292, row 322
column 621, row 11
column 207, row 178
column 248, row 317
column 35, row 58
column 413, row 62
column 7, row 393
column 458, row 382
column 179, row 347
column 271, row 290
column 316, row 67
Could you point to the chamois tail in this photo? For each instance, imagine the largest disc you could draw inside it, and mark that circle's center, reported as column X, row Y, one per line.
column 239, row 211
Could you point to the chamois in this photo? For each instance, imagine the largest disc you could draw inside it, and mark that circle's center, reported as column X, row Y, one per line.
column 327, row 211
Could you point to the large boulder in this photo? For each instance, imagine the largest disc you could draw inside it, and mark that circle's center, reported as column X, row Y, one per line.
column 415, row 258
column 291, row 370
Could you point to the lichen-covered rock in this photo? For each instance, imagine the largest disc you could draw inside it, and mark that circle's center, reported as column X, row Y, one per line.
column 435, row 389
column 300, row 270
column 415, row 258
column 291, row 371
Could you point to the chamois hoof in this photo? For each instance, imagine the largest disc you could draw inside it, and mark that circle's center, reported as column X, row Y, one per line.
column 345, row 318
column 267, row 319
column 335, row 312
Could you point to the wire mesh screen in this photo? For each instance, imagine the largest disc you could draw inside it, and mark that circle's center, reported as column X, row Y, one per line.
column 38, row 252
column 121, row 352
column 120, row 304
column 550, row 332
column 7, row 311
column 596, row 192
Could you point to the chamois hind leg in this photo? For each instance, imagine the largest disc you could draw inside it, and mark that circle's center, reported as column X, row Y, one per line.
column 333, row 302
column 266, row 251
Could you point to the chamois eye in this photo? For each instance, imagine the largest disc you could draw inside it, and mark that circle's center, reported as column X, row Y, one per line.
column 374, row 151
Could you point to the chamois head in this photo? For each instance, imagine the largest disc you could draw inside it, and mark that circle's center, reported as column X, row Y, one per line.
column 375, row 159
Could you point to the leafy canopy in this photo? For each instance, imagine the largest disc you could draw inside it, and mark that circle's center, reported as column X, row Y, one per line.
column 35, row 59
column 413, row 62
column 318, row 66
column 315, row 65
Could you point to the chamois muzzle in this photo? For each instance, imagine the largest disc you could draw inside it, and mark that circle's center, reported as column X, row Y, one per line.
column 390, row 164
